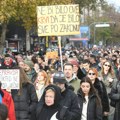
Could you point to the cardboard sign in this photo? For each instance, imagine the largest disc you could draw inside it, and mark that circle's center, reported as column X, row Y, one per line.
column 58, row 20
column 51, row 55
column 10, row 78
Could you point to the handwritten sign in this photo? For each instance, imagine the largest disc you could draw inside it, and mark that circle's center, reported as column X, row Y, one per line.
column 10, row 78
column 58, row 20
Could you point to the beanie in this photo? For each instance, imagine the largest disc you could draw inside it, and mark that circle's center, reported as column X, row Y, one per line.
column 74, row 62
column 29, row 63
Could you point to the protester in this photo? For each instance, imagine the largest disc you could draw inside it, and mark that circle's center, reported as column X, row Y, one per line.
column 6, row 99
column 101, row 90
column 25, row 98
column 8, row 62
column 90, row 104
column 94, row 62
column 29, row 70
column 42, row 80
column 71, row 77
column 77, row 70
column 3, row 112
column 50, row 108
column 85, row 66
column 35, row 63
column 115, row 96
column 107, row 75
column 69, row 98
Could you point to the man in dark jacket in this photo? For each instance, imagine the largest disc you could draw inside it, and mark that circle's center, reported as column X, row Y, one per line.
column 71, row 108
column 3, row 112
column 8, row 62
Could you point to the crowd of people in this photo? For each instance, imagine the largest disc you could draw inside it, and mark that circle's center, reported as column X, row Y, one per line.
column 80, row 89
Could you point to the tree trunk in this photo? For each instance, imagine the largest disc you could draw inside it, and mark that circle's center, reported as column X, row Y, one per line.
column 3, row 36
column 27, row 40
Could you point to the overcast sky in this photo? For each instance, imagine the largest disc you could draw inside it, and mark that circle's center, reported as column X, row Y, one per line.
column 115, row 2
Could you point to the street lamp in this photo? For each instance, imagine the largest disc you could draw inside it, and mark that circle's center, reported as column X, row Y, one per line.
column 100, row 24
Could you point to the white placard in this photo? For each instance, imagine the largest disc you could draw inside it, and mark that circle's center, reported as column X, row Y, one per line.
column 10, row 78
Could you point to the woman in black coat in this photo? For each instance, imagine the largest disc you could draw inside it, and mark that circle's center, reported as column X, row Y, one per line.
column 49, row 108
column 90, row 103
column 101, row 90
column 115, row 96
column 25, row 98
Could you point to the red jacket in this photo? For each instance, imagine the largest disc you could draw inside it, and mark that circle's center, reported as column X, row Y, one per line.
column 8, row 101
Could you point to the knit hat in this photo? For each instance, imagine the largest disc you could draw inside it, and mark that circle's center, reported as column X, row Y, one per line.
column 29, row 63
column 59, row 77
column 74, row 62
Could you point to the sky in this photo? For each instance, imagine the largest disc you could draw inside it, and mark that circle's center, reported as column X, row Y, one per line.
column 115, row 2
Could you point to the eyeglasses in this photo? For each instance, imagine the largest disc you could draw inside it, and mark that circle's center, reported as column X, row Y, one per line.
column 107, row 65
column 91, row 73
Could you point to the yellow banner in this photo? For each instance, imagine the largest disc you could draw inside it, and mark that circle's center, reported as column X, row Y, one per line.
column 58, row 20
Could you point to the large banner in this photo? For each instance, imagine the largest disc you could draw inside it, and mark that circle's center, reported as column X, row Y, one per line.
column 10, row 78
column 58, row 20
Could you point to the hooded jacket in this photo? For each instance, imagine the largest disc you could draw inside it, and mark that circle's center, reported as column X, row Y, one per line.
column 44, row 112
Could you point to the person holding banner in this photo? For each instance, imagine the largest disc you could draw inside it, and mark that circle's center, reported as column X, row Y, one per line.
column 25, row 98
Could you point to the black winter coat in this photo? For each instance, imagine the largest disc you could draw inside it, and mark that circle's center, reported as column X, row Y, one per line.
column 101, row 89
column 94, row 111
column 44, row 112
column 69, row 106
column 70, row 102
column 25, row 103
column 115, row 95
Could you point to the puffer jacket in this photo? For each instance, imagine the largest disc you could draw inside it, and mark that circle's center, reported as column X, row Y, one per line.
column 94, row 111
column 25, row 103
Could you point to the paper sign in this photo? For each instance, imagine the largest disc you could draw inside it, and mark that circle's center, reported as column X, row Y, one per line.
column 10, row 78
column 58, row 20
column 51, row 55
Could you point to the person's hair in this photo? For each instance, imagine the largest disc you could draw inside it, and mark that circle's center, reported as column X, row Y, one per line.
column 46, row 77
column 23, row 78
column 111, row 70
column 50, row 90
column 3, row 112
column 92, row 89
column 93, row 56
column 42, row 58
column 68, row 64
column 117, row 51
column 85, row 61
column 34, row 59
column 105, row 54
column 94, row 70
